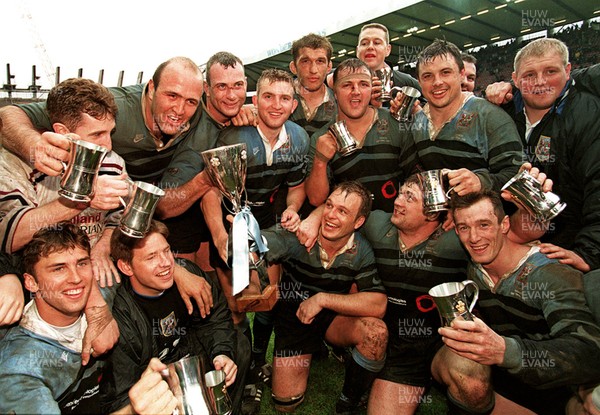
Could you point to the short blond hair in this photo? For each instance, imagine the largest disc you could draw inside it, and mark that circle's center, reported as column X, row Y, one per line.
column 376, row 26
column 271, row 75
column 542, row 47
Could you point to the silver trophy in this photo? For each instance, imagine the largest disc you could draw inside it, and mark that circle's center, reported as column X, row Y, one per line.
column 386, row 76
column 435, row 196
column 346, row 143
column 528, row 191
column 451, row 300
column 226, row 167
column 139, row 211
column 80, row 174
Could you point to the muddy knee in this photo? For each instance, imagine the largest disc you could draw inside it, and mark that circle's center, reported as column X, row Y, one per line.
column 374, row 335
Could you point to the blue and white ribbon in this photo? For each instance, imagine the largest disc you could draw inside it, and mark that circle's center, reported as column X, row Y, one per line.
column 245, row 228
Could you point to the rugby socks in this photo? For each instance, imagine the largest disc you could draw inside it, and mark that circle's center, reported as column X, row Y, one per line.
column 244, row 327
column 360, row 374
column 262, row 329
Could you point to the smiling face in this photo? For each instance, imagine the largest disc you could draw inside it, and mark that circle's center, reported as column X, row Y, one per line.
column 340, row 216
column 275, row 103
column 480, row 231
column 62, row 284
column 176, row 98
column 151, row 267
column 440, row 80
column 226, row 93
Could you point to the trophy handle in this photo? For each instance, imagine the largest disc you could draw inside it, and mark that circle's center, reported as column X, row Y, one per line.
column 236, row 209
column 475, row 293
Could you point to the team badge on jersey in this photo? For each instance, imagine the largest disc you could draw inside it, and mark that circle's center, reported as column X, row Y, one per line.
column 383, row 129
column 286, row 147
column 466, row 119
column 542, row 150
column 168, row 325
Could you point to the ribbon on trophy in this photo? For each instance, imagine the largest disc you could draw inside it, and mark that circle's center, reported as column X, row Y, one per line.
column 245, row 228
column 226, row 167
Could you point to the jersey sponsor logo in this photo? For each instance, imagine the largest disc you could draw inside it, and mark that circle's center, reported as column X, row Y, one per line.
column 425, row 303
column 138, row 138
column 96, row 217
column 388, row 190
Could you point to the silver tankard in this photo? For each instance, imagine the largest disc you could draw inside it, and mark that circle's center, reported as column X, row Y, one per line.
column 410, row 95
column 451, row 300
column 386, row 75
column 435, row 196
column 186, row 379
column 528, row 191
column 346, row 143
column 139, row 211
column 218, row 398
column 80, row 174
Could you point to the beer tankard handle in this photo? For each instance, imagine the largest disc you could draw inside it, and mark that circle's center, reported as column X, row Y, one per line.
column 473, row 284
column 131, row 185
column 445, row 173
column 393, row 92
column 71, row 138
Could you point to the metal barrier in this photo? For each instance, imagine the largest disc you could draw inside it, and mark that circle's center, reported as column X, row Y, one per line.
column 35, row 92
